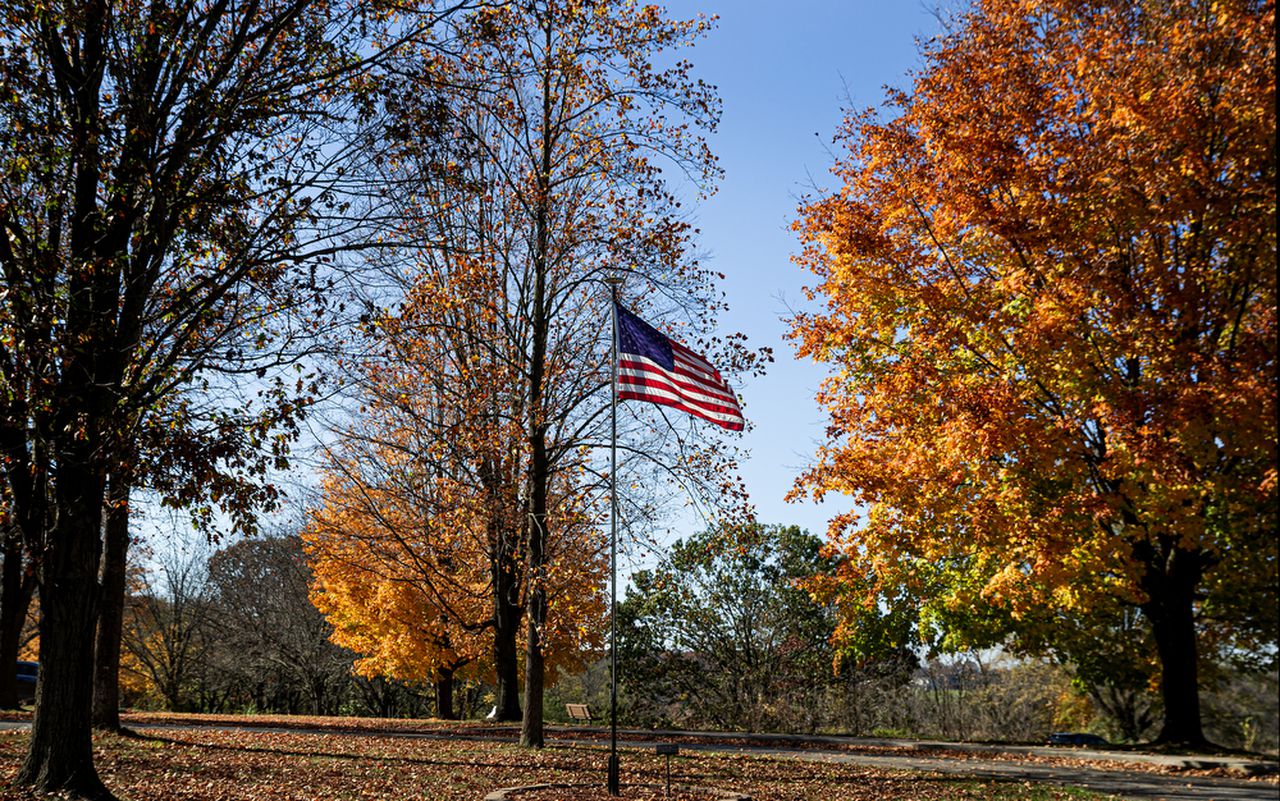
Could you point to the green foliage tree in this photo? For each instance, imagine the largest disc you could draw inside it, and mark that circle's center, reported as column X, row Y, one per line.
column 723, row 634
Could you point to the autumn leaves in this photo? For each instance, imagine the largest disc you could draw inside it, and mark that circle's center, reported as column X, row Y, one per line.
column 461, row 527
column 1048, row 281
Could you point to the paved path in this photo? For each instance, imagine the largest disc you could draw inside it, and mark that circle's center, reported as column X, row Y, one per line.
column 1241, row 765
column 982, row 761
column 974, row 761
column 1135, row 784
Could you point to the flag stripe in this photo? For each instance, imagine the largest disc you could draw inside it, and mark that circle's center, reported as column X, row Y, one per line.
column 629, row 374
column 730, row 421
column 641, row 385
column 658, row 391
column 683, row 377
column 690, row 383
column 697, row 361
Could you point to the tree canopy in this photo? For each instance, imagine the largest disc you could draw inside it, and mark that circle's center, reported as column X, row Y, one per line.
column 1048, row 288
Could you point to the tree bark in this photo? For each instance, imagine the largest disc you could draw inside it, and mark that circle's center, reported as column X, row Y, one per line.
column 1170, row 585
column 111, row 577
column 444, row 694
column 16, row 586
column 507, row 612
column 531, row 733
column 60, row 754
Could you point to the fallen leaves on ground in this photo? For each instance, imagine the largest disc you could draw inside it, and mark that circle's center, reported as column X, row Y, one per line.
column 599, row 793
column 257, row 765
column 960, row 751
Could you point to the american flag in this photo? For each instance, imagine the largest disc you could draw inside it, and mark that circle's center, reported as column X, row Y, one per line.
column 656, row 369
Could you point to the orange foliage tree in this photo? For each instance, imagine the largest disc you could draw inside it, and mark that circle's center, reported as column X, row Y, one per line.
column 1049, row 278
column 411, row 590
column 401, row 585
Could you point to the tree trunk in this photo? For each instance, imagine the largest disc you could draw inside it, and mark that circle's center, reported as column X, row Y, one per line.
column 506, row 626
column 531, row 734
column 531, row 728
column 1171, row 610
column 106, row 654
column 1175, row 634
column 319, row 695
column 60, row 754
column 444, row 694
column 16, row 585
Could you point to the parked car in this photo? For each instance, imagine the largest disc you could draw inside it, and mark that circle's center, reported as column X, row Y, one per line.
column 1076, row 738
column 28, row 672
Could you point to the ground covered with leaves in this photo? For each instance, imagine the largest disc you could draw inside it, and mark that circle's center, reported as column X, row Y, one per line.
column 221, row 765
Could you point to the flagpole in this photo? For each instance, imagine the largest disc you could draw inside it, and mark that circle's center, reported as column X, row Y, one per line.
column 614, row 789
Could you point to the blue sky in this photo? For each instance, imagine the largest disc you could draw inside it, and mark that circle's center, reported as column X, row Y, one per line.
column 785, row 73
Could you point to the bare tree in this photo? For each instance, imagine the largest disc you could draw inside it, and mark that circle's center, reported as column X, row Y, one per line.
column 166, row 631
column 261, row 622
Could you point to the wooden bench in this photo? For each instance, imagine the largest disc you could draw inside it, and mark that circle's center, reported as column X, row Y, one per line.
column 578, row 712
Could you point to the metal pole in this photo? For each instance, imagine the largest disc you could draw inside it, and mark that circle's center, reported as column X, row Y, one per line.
column 613, row 549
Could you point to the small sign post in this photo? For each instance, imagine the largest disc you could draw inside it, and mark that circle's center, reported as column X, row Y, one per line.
column 667, row 749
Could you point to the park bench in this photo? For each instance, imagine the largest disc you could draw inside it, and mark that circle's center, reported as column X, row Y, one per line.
column 578, row 712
